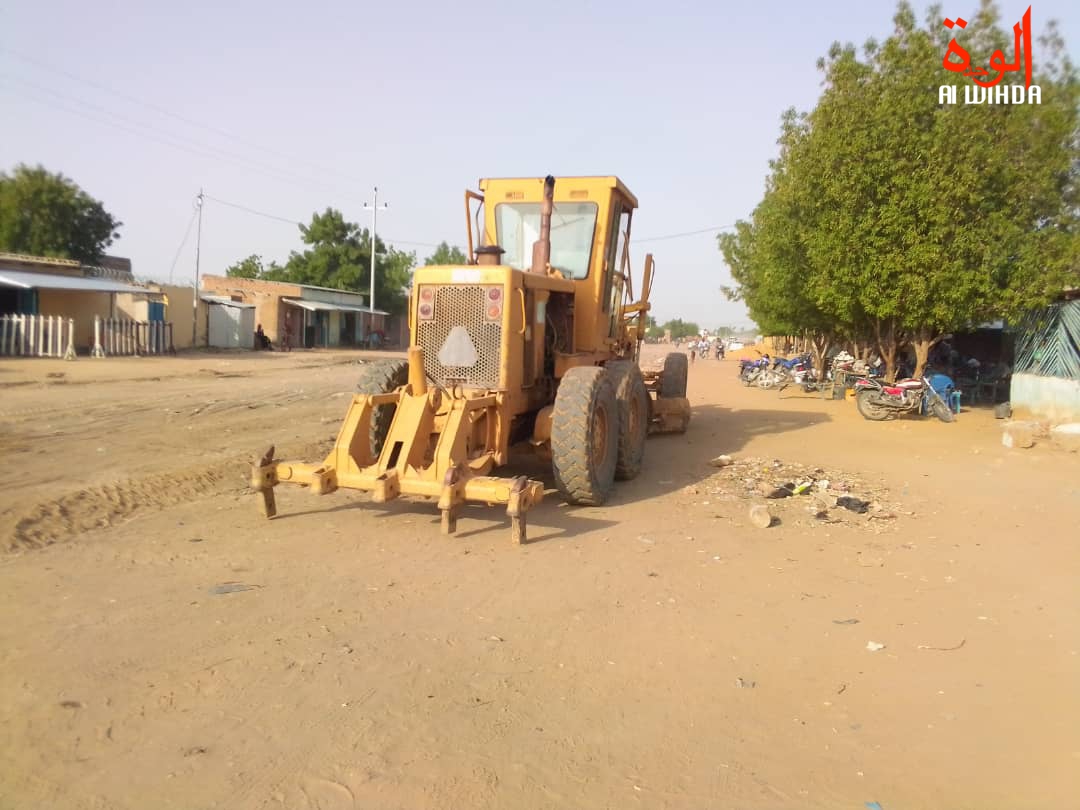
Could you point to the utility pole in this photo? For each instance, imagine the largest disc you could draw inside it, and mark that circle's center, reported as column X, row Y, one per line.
column 195, row 290
column 374, row 208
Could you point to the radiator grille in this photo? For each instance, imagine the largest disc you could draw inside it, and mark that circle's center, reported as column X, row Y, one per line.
column 461, row 305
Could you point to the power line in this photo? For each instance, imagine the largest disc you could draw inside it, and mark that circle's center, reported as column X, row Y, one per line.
column 412, row 244
column 685, row 233
column 170, row 139
column 265, row 215
column 187, row 233
column 206, row 150
column 164, row 111
column 251, row 210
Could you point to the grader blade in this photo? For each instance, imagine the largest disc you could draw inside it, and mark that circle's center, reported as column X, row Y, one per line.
column 426, row 452
column 669, row 415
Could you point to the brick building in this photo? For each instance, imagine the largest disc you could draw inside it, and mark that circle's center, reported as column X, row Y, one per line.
column 319, row 316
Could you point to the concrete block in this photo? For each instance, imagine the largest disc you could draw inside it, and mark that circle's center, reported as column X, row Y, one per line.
column 1067, row 437
column 1019, row 434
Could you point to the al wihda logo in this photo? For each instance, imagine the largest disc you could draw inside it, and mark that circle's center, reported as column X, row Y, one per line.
column 992, row 91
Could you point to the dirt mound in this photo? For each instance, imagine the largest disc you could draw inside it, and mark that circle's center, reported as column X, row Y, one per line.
column 65, row 518
column 829, row 495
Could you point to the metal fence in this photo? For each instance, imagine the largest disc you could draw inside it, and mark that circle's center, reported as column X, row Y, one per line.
column 1048, row 341
column 37, row 336
column 118, row 337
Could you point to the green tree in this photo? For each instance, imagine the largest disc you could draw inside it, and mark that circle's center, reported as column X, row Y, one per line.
column 680, row 328
column 251, row 267
column 45, row 214
column 338, row 255
column 890, row 215
column 444, row 254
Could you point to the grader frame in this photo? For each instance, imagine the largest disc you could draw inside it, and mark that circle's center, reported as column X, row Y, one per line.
column 440, row 438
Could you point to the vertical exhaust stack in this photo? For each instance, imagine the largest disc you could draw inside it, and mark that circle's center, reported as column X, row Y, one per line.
column 542, row 247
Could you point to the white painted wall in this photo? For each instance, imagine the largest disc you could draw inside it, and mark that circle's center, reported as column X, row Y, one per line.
column 1050, row 399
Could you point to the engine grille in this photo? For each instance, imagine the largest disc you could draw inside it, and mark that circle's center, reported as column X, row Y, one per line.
column 461, row 305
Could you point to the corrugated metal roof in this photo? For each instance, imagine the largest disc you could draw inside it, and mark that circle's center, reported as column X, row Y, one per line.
column 313, row 306
column 48, row 281
column 24, row 258
column 223, row 299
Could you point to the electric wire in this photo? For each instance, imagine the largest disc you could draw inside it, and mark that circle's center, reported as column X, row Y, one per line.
column 170, row 139
column 183, row 242
column 714, row 229
column 277, row 218
column 174, row 115
column 204, row 150
column 257, row 213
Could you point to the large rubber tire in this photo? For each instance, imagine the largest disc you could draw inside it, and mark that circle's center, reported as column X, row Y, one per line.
column 585, row 436
column 633, row 399
column 939, row 409
column 866, row 401
column 382, row 377
column 673, row 383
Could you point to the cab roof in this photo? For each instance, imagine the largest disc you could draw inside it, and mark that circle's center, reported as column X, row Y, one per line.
column 531, row 188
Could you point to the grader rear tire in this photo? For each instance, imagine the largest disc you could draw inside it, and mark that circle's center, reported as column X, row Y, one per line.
column 382, row 377
column 633, row 399
column 673, row 383
column 585, row 436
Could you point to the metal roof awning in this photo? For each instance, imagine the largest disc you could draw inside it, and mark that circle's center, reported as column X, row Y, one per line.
column 225, row 300
column 315, row 306
column 49, row 281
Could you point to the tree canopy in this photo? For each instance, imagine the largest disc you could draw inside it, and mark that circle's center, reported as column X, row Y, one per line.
column 892, row 218
column 338, row 256
column 45, row 214
column 680, row 328
column 444, row 254
column 251, row 267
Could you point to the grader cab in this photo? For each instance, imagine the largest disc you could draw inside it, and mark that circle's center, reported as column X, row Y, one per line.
column 535, row 341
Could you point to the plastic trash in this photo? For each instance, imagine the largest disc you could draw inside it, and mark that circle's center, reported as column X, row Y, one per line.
column 853, row 504
column 783, row 491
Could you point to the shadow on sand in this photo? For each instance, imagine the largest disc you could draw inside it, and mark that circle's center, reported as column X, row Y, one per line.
column 672, row 462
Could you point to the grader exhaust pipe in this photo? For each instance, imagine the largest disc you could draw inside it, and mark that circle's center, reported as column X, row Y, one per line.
column 542, row 247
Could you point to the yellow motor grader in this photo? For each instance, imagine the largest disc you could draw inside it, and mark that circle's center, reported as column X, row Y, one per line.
column 536, row 340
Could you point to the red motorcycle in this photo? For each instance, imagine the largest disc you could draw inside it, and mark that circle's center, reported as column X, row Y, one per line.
column 878, row 401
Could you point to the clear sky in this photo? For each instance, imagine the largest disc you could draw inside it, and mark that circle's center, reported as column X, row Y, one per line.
column 289, row 108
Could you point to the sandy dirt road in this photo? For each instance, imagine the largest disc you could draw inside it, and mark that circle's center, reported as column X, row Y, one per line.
column 164, row 646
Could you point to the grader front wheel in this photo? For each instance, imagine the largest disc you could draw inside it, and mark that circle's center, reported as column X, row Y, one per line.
column 382, row 377
column 673, row 383
column 585, row 436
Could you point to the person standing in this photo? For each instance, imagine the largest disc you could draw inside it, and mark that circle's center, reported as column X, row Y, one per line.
column 286, row 344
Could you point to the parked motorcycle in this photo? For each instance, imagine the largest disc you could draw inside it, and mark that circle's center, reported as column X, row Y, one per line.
column 878, row 401
column 769, row 378
column 799, row 371
column 749, row 370
column 794, row 363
